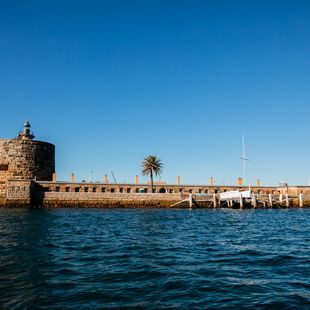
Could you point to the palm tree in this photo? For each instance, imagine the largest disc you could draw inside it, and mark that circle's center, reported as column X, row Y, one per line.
column 152, row 165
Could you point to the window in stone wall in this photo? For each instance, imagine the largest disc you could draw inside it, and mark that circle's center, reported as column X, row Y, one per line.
column 206, row 191
column 103, row 189
column 121, row 190
column 216, row 191
column 4, row 167
column 77, row 189
column 128, row 190
column 57, row 189
column 67, row 189
column 94, row 189
column 112, row 190
column 190, row 191
column 170, row 190
column 85, row 189
column 181, row 190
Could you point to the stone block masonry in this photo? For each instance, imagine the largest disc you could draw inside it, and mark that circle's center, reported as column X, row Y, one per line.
column 26, row 159
column 107, row 200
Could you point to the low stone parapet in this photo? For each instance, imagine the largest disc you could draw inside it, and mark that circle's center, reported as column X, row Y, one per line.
column 64, row 199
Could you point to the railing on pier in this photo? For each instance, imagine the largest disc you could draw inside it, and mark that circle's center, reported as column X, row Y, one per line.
column 236, row 199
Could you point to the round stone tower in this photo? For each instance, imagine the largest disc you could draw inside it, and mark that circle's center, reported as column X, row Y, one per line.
column 24, row 158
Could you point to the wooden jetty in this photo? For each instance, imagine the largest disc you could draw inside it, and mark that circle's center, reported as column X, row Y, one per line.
column 240, row 199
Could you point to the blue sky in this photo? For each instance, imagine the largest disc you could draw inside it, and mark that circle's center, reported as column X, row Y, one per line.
column 109, row 82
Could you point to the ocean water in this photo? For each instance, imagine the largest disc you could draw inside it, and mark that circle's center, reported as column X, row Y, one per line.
column 154, row 259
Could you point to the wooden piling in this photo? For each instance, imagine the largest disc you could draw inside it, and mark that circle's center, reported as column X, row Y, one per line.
column 253, row 200
column 301, row 200
column 214, row 201
column 190, row 200
column 287, row 201
column 241, row 201
column 270, row 200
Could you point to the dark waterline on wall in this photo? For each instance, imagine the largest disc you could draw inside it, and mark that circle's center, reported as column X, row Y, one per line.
column 99, row 258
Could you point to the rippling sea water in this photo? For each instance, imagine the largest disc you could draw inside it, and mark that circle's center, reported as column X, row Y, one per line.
column 154, row 259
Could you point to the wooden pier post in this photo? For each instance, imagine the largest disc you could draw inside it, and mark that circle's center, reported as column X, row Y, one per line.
column 241, row 201
column 301, row 200
column 214, row 201
column 287, row 201
column 190, row 200
column 281, row 199
column 270, row 200
column 253, row 201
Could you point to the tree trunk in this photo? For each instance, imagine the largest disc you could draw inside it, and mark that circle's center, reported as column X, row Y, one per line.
column 152, row 189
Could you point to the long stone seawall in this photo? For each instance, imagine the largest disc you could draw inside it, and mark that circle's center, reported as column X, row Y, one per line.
column 30, row 193
column 63, row 199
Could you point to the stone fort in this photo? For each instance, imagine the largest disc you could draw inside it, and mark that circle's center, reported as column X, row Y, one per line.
column 27, row 179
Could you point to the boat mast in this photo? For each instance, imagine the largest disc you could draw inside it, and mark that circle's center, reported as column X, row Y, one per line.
column 244, row 159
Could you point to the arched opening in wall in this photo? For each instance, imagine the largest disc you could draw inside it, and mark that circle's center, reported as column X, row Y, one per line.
column 162, row 191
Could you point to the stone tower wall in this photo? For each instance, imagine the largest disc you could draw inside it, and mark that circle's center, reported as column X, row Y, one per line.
column 26, row 159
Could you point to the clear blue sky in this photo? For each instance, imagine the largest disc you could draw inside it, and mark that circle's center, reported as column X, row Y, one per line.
column 109, row 82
